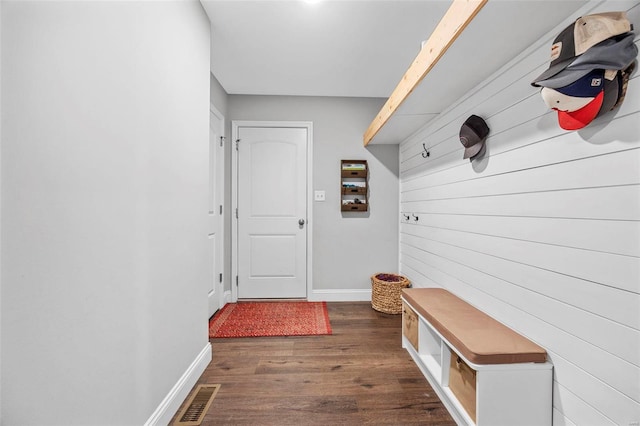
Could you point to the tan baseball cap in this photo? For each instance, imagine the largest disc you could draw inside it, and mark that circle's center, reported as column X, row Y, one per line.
column 592, row 29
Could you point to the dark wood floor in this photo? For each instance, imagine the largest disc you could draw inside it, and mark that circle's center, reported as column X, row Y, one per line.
column 358, row 375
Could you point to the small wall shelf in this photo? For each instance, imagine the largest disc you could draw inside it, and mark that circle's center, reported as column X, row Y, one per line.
column 354, row 186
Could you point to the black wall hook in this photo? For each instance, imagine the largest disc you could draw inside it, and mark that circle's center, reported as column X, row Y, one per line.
column 406, row 216
column 426, row 152
column 415, row 217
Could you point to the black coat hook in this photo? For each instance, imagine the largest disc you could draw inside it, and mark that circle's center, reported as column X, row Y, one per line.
column 414, row 217
column 406, row 216
column 426, row 152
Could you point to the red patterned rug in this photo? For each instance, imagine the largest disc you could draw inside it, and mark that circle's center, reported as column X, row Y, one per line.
column 262, row 319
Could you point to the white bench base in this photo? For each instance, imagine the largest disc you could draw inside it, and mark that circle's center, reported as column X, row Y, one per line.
column 506, row 394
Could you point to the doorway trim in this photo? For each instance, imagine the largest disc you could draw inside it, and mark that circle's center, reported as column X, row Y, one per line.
column 235, row 124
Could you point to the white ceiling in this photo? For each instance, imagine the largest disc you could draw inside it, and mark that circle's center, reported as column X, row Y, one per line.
column 362, row 48
column 330, row 48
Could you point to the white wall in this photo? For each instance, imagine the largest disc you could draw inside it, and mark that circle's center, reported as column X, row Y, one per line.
column 347, row 248
column 543, row 233
column 104, row 200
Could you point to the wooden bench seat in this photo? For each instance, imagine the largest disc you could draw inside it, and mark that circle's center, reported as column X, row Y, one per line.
column 485, row 373
column 478, row 337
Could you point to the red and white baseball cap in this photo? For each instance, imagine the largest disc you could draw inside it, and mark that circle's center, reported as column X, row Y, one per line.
column 575, row 120
column 578, row 103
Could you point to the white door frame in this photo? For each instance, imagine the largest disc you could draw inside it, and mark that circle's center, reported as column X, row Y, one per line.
column 235, row 124
column 218, row 197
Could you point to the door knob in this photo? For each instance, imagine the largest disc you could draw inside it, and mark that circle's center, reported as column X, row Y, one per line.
column 301, row 222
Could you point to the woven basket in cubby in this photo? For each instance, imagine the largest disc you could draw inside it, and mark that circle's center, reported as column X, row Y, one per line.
column 385, row 292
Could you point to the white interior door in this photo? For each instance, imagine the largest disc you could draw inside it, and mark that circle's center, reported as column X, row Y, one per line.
column 215, row 291
column 272, row 212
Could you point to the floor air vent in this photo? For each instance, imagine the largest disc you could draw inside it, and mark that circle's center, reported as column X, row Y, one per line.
column 197, row 406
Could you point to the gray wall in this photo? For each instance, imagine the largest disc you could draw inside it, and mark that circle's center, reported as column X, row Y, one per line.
column 218, row 96
column 543, row 233
column 347, row 248
column 104, row 201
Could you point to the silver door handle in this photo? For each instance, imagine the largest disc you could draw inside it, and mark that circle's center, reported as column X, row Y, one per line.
column 301, row 222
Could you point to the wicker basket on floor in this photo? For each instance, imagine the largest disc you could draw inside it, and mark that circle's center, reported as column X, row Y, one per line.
column 385, row 292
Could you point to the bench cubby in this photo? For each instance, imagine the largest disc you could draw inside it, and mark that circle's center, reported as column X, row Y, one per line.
column 484, row 372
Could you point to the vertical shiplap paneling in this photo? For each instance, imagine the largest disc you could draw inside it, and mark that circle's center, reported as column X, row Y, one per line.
column 543, row 233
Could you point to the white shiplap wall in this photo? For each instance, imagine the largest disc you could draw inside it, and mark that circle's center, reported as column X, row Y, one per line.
column 543, row 233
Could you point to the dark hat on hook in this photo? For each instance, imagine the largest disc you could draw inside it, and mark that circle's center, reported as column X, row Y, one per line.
column 615, row 53
column 584, row 33
column 473, row 133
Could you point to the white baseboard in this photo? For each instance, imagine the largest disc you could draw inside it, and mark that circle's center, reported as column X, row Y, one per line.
column 340, row 295
column 171, row 403
column 227, row 297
